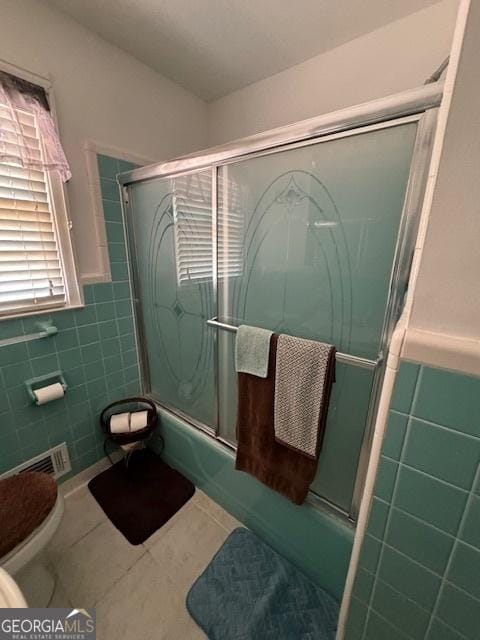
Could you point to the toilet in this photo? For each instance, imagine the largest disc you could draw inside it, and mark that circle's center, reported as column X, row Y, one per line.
column 10, row 595
column 31, row 510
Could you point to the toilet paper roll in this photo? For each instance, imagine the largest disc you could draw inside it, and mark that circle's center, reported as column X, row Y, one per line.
column 138, row 420
column 48, row 393
column 120, row 423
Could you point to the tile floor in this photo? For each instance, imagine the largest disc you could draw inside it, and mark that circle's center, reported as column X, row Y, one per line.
column 138, row 591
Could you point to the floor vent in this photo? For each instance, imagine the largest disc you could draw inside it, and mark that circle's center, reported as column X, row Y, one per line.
column 55, row 462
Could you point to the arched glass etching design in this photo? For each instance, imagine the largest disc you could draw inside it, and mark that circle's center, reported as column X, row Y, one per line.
column 174, row 308
column 296, row 229
column 297, row 280
column 321, row 223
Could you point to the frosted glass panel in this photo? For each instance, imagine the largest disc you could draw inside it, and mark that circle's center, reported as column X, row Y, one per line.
column 305, row 244
column 319, row 226
column 172, row 222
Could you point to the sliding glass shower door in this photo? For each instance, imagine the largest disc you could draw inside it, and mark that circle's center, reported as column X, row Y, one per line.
column 301, row 240
column 172, row 229
column 306, row 242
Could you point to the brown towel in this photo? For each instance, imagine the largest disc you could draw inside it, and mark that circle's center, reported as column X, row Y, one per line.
column 258, row 453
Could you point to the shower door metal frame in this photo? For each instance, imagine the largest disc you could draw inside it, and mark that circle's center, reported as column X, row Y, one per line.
column 418, row 105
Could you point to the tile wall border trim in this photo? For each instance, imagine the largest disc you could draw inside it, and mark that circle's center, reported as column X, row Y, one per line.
column 442, row 351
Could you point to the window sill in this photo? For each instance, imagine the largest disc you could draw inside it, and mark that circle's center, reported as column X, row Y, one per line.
column 42, row 312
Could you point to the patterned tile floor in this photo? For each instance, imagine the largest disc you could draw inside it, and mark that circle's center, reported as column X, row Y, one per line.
column 138, row 591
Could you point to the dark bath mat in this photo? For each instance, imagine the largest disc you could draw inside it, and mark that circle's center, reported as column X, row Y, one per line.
column 249, row 592
column 141, row 499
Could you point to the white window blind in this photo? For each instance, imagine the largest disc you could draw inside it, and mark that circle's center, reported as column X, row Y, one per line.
column 192, row 209
column 31, row 273
column 231, row 228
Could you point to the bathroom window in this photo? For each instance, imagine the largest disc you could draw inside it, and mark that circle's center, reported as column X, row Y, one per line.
column 192, row 212
column 36, row 259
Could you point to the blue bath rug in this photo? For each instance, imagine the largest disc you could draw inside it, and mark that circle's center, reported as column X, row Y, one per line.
column 249, row 592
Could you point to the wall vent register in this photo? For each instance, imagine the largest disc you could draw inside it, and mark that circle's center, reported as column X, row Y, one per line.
column 55, row 462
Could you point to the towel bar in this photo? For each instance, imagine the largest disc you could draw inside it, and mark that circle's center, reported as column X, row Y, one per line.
column 365, row 363
column 47, row 330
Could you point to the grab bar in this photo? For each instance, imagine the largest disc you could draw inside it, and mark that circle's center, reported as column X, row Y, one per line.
column 365, row 363
column 47, row 330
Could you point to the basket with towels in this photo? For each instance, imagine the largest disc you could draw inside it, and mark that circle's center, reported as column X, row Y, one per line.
column 129, row 420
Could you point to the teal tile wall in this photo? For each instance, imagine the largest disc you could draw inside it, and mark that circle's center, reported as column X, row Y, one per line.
column 419, row 572
column 95, row 349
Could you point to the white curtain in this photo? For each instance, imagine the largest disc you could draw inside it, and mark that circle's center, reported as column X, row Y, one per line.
column 17, row 97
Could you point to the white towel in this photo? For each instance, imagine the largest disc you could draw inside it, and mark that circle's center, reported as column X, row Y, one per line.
column 303, row 378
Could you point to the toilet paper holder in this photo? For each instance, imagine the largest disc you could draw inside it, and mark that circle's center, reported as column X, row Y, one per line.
column 120, row 406
column 42, row 381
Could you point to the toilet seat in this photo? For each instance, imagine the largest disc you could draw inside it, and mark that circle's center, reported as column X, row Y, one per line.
column 26, row 500
column 10, row 594
column 33, row 509
column 24, row 552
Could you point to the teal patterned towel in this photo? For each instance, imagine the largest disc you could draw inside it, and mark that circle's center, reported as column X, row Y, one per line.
column 249, row 592
column 252, row 348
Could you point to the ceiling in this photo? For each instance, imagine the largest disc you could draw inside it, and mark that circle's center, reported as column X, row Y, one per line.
column 213, row 47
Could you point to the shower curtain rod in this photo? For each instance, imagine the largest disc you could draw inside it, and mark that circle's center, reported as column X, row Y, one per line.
column 365, row 363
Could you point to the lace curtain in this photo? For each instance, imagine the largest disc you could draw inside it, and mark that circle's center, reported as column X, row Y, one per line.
column 17, row 95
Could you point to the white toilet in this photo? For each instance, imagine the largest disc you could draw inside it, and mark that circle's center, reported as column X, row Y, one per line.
column 10, row 594
column 25, row 561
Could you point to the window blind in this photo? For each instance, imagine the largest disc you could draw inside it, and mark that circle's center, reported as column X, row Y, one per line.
column 192, row 208
column 31, row 274
column 231, row 230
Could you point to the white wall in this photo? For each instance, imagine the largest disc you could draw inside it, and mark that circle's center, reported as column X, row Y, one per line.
column 101, row 94
column 444, row 327
column 396, row 57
